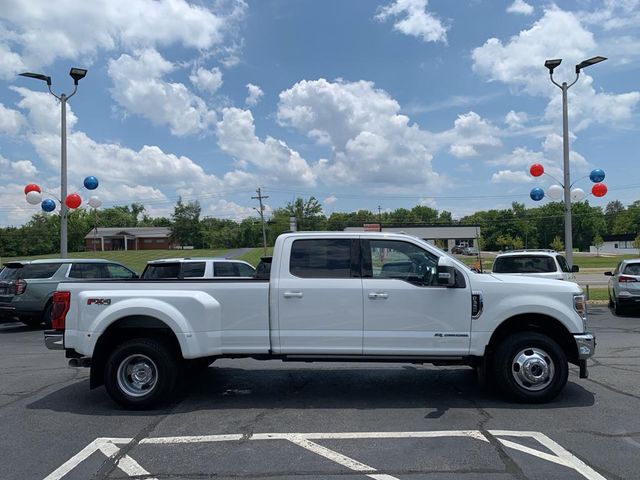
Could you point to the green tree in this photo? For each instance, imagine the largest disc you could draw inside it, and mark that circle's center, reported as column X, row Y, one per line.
column 636, row 243
column 598, row 242
column 185, row 229
column 557, row 244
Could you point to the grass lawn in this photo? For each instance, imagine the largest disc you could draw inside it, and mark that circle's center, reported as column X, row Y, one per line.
column 253, row 257
column 597, row 294
column 134, row 259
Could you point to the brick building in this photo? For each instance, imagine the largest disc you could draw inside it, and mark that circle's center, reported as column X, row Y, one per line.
column 134, row 238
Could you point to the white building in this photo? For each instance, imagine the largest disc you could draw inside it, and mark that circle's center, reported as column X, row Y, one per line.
column 446, row 236
column 618, row 244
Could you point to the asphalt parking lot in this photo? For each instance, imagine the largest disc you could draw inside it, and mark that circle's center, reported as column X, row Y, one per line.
column 249, row 419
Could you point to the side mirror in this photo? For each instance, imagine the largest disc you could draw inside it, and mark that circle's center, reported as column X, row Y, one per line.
column 446, row 272
column 575, row 269
column 609, row 274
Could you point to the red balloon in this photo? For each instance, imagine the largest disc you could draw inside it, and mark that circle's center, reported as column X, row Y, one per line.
column 32, row 187
column 73, row 200
column 599, row 190
column 536, row 170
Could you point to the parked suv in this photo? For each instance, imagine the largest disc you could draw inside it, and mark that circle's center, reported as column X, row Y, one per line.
column 26, row 287
column 624, row 285
column 535, row 263
column 197, row 268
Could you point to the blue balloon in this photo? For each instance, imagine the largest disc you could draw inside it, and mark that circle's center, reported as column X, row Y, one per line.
column 91, row 183
column 596, row 175
column 48, row 205
column 537, row 194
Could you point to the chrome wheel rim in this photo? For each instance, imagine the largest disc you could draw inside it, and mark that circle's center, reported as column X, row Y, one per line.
column 532, row 369
column 137, row 375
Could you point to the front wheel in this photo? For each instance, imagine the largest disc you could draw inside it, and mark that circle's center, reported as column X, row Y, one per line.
column 530, row 367
column 141, row 373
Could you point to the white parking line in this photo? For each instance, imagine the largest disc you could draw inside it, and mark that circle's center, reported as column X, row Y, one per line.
column 131, row 468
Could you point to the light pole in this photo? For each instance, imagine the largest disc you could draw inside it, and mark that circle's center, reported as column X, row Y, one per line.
column 77, row 74
column 568, row 232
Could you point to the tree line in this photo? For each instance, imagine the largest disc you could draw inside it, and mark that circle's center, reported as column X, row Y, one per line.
column 514, row 227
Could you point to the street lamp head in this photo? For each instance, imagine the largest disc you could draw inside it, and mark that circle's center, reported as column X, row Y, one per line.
column 552, row 64
column 589, row 62
column 77, row 74
column 37, row 76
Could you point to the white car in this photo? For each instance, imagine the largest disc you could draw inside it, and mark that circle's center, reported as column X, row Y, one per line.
column 197, row 268
column 535, row 263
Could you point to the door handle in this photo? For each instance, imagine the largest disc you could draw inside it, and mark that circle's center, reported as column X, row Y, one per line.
column 374, row 295
column 292, row 294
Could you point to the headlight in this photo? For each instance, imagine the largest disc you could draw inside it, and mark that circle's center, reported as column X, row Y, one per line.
column 580, row 306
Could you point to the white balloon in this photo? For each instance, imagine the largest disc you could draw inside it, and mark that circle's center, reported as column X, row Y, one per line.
column 577, row 194
column 34, row 198
column 555, row 192
column 95, row 202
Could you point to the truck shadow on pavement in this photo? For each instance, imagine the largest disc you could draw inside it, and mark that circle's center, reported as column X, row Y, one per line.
column 220, row 388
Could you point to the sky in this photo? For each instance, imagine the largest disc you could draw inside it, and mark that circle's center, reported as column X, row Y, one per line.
column 360, row 103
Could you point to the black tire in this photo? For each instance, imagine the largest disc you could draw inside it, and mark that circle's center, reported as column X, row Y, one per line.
column 46, row 315
column 530, row 367
column 610, row 302
column 156, row 367
column 32, row 321
column 617, row 308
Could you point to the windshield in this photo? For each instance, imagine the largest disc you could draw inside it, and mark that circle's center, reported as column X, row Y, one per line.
column 524, row 264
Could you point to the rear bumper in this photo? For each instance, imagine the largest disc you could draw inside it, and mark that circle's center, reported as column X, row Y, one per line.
column 54, row 339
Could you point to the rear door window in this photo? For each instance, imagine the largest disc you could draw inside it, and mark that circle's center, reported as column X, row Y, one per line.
column 41, row 270
column 88, row 270
column 162, row 270
column 193, row 269
column 323, row 258
column 225, row 269
column 245, row 270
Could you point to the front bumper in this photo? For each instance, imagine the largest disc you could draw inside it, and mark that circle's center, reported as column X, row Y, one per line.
column 586, row 345
column 54, row 339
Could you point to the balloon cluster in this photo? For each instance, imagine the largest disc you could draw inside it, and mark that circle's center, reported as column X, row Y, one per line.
column 556, row 192
column 33, row 195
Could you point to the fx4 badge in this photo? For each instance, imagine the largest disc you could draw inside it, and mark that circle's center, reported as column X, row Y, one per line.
column 98, row 301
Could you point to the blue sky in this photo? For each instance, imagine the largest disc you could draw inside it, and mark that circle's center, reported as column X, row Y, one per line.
column 358, row 103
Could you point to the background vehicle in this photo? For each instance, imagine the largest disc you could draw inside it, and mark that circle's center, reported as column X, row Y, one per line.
column 534, row 263
column 624, row 285
column 330, row 296
column 197, row 268
column 26, row 287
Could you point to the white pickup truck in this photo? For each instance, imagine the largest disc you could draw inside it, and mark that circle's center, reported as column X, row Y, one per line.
column 330, row 297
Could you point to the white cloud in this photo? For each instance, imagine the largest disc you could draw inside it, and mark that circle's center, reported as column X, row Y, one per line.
column 521, row 7
column 40, row 31
column 11, row 121
column 371, row 142
column 330, row 200
column 272, row 158
column 255, row 94
column 515, row 119
column 470, row 132
column 614, row 15
column 125, row 174
column 141, row 90
column 509, row 176
column 207, row 80
column 415, row 20
column 519, row 63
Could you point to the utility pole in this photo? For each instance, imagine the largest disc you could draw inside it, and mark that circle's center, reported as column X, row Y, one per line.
column 261, row 212
column 379, row 214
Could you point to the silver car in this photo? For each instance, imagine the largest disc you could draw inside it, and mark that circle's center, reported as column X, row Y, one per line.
column 624, row 285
